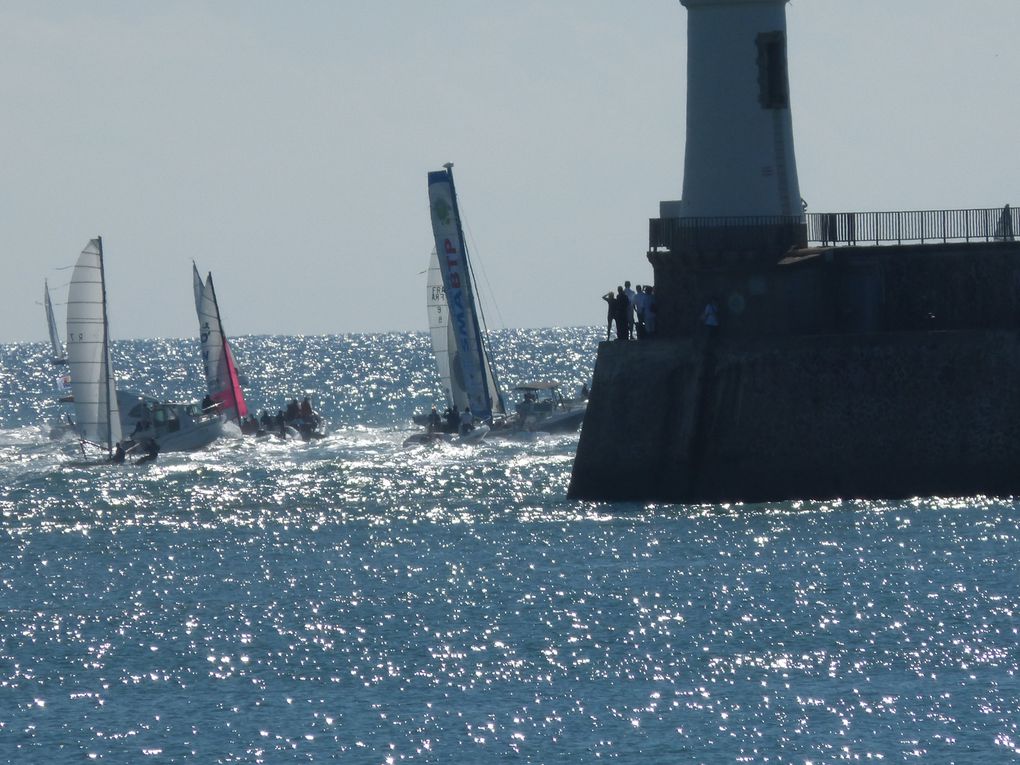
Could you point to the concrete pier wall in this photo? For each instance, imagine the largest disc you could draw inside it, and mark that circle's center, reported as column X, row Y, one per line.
column 870, row 415
column 837, row 372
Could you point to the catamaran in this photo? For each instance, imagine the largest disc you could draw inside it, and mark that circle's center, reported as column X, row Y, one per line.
column 459, row 344
column 98, row 416
column 93, row 385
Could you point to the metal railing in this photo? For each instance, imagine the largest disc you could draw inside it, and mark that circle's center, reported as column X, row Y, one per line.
column 990, row 224
column 853, row 228
column 734, row 233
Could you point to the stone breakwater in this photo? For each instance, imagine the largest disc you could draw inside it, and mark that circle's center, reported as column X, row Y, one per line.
column 889, row 414
column 856, row 372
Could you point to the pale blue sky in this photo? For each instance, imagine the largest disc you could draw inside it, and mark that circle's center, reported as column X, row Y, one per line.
column 285, row 146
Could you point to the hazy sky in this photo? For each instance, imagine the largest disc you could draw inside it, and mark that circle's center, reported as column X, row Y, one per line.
column 285, row 146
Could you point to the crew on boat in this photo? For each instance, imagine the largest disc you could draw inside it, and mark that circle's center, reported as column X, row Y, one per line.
column 144, row 422
column 435, row 423
column 467, row 421
column 452, row 420
column 250, row 426
column 151, row 452
column 117, row 457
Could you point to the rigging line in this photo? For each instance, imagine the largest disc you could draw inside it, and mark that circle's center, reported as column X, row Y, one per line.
column 485, row 334
column 483, row 341
column 485, row 275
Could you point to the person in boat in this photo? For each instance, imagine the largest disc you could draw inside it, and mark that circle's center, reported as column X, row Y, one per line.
column 452, row 420
column 467, row 421
column 281, row 423
column 293, row 410
column 207, row 403
column 307, row 413
column 525, row 406
column 435, row 423
column 151, row 452
column 143, row 424
column 267, row 421
column 117, row 458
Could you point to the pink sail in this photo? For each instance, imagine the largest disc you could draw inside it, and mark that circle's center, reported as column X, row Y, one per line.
column 221, row 374
column 231, row 397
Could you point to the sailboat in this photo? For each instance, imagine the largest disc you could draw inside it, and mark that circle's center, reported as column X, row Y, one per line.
column 97, row 416
column 458, row 341
column 98, row 405
column 62, row 425
column 57, row 355
column 221, row 376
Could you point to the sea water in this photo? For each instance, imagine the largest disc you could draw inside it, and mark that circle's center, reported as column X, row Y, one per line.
column 353, row 600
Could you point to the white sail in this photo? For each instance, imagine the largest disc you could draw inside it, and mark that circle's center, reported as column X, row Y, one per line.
column 444, row 345
column 88, row 351
column 56, row 347
column 208, row 328
column 221, row 377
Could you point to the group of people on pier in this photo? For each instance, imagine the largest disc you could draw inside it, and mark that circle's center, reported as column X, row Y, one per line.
column 632, row 310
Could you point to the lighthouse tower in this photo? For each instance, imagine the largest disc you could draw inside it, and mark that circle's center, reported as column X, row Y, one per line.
column 739, row 154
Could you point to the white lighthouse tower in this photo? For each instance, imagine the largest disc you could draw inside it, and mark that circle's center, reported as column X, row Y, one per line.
column 739, row 157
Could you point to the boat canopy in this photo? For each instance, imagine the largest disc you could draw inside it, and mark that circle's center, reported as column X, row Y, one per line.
column 536, row 386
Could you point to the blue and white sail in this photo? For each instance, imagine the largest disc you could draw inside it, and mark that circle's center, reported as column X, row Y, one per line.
column 88, row 351
column 468, row 378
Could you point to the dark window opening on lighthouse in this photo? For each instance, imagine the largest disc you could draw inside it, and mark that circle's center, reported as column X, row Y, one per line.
column 773, row 81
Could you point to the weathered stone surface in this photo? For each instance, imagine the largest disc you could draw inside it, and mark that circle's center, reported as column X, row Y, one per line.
column 884, row 414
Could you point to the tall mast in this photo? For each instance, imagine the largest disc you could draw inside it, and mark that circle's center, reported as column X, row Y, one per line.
column 467, row 267
column 106, row 350
column 234, row 384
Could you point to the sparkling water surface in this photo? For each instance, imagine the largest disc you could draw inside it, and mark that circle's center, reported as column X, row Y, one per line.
column 352, row 600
